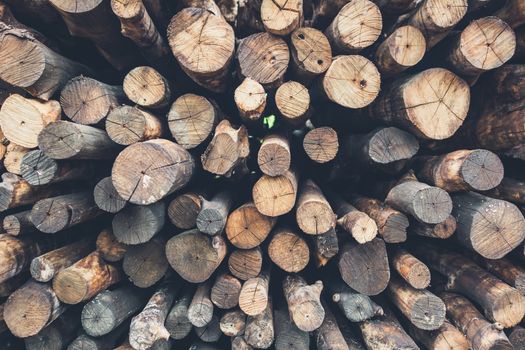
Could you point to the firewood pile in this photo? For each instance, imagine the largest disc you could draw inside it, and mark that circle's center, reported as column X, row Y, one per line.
column 262, row 174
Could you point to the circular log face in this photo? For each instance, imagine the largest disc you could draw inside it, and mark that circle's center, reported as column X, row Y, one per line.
column 23, row 61
column 407, row 46
column 76, row 6
column 311, row 50
column 146, row 87
column 482, row 170
column 321, row 144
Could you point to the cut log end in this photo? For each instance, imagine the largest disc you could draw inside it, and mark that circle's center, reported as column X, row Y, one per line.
column 321, row 144
column 402, row 49
column 250, row 99
column 147, row 87
column 281, row 17
column 482, row 170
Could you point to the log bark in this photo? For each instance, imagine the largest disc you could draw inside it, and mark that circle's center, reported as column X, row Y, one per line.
column 364, row 267
column 506, row 270
column 443, row 230
column 146, row 172
column 214, row 213
column 411, row 269
column 225, row 291
column 146, row 264
column 200, row 311
column 9, row 286
column 447, row 337
column 247, row 228
column 127, row 125
column 292, row 100
column 195, row 255
column 313, row 212
column 275, row 196
column 325, row 247
column 513, row 12
column 146, row 87
column 281, row 17
column 358, row 224
column 304, row 302
column 197, row 30
column 106, row 196
column 16, row 254
column 509, row 81
column 109, row 248
column 177, row 322
column 85, row 279
column 321, row 144
column 517, row 337
column 489, row 226
column 355, row 307
column 311, row 54
column 259, row 331
column 184, row 208
column 138, row 224
column 287, row 335
column 328, row 336
column 386, row 333
column 18, row 224
column 254, row 298
column 232, row 323
column 245, row 263
column 274, row 156
column 250, row 99
column 288, row 250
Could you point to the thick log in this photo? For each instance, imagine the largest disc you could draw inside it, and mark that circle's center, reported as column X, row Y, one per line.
column 87, row 101
column 57, row 335
column 364, row 267
column 402, row 49
column 288, row 250
column 106, row 196
column 32, row 66
column 109, row 248
column 250, row 99
column 304, row 302
column 287, row 335
column 275, row 196
column 274, row 156
column 195, row 255
column 109, row 309
column 411, row 269
column 443, row 230
column 431, row 104
column 355, row 307
column 211, row 332
column 146, row 172
column 44, row 267
column 227, row 151
column 200, row 311
column 147, row 87
column 31, row 308
column 489, row 226
column 22, row 119
column 184, row 208
column 446, row 337
column 513, row 12
column 321, row 144
column 351, row 81
column 509, row 81
column 391, row 224
column 500, row 302
column 55, row 214
column 18, row 224
column 148, row 326
column 362, row 228
column 146, row 264
column 245, row 263
column 225, row 291
column 254, row 298
column 480, row 333
column 325, row 247
column 214, row 213
column 197, row 30
column 313, row 212
column 232, row 323
column 67, row 140
column 281, row 17
column 386, row 333
column 85, row 279
column 126, row 125
column 292, row 100
column 177, row 322
column 13, row 157
column 328, row 336
column 259, row 331
column 137, row 25
column 192, row 120
column 311, row 53
column 137, row 224
column 506, row 270
column 16, row 254
column 247, row 228
column 264, row 58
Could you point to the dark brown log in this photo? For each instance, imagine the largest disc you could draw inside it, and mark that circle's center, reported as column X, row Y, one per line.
column 232, row 323
column 177, row 322
column 148, row 326
column 250, row 99
column 22, row 119
column 411, row 269
column 85, row 342
column 59, row 213
column 292, row 100
column 402, row 49
column 200, row 311
column 57, row 335
column 146, row 264
column 391, row 224
column 287, row 335
column 264, row 58
column 259, row 331
column 431, row 104
column 311, row 53
column 328, row 336
column 199, row 345
column 225, row 291
column 313, row 212
column 245, row 264
column 109, row 309
column 254, row 298
column 351, row 81
column 88, row 101
column 67, row 140
column 227, row 151
column 32, row 66
column 326, row 9
column 211, row 332
column 480, row 333
column 500, row 302
column 321, row 144
column 288, row 250
column 106, row 196
column 159, row 11
column 184, row 208
column 506, row 270
column 447, row 337
column 274, row 156
column 195, row 255
column 9, row 286
column 489, row 226
column 355, row 307
column 31, row 308
column 517, row 338
column 275, row 196
column 362, row 228
column 203, row 43
column 247, row 228
column 356, row 26
column 192, row 120
column 364, row 267
column 85, row 279
column 138, row 224
column 109, row 248
column 19, row 224
column 126, row 125
column 16, row 192
column 304, row 302
column 325, row 247
column 147, row 87
column 509, row 81
column 214, row 213
column 513, row 12
column 16, row 254
column 146, row 172
column 281, row 17
column 386, row 333
column 44, row 267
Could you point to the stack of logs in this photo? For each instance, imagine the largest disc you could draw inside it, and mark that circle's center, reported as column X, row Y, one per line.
column 286, row 174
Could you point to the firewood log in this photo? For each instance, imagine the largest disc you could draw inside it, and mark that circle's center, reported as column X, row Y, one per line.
column 18, row 224
column 364, row 267
column 443, row 230
column 304, row 302
column 109, row 248
column 13, row 158
column 281, row 17
column 146, row 172
column 194, row 30
column 195, row 255
column 321, row 144
column 513, row 12
column 362, row 228
column 16, row 192
column 247, row 228
column 245, row 263
column 288, row 250
column 411, row 269
column 506, row 270
column 192, row 119
column 275, row 196
column 447, row 337
column 146, row 264
column 57, row 335
column 106, row 196
column 355, row 307
column 211, row 332
column 146, row 87
column 225, row 291
column 509, row 81
column 386, row 333
column 274, row 156
column 325, row 247
column 126, row 125
column 264, row 58
column 86, row 342
column 109, row 309
column 177, row 322
column 84, row 279
column 311, row 54
column 138, row 224
column 287, row 335
column 313, row 212
column 292, row 100
column 259, row 331
column 328, row 335
column 214, row 213
column 200, row 311
column 184, row 208
column 232, row 323
column 254, row 298
column 250, row 99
